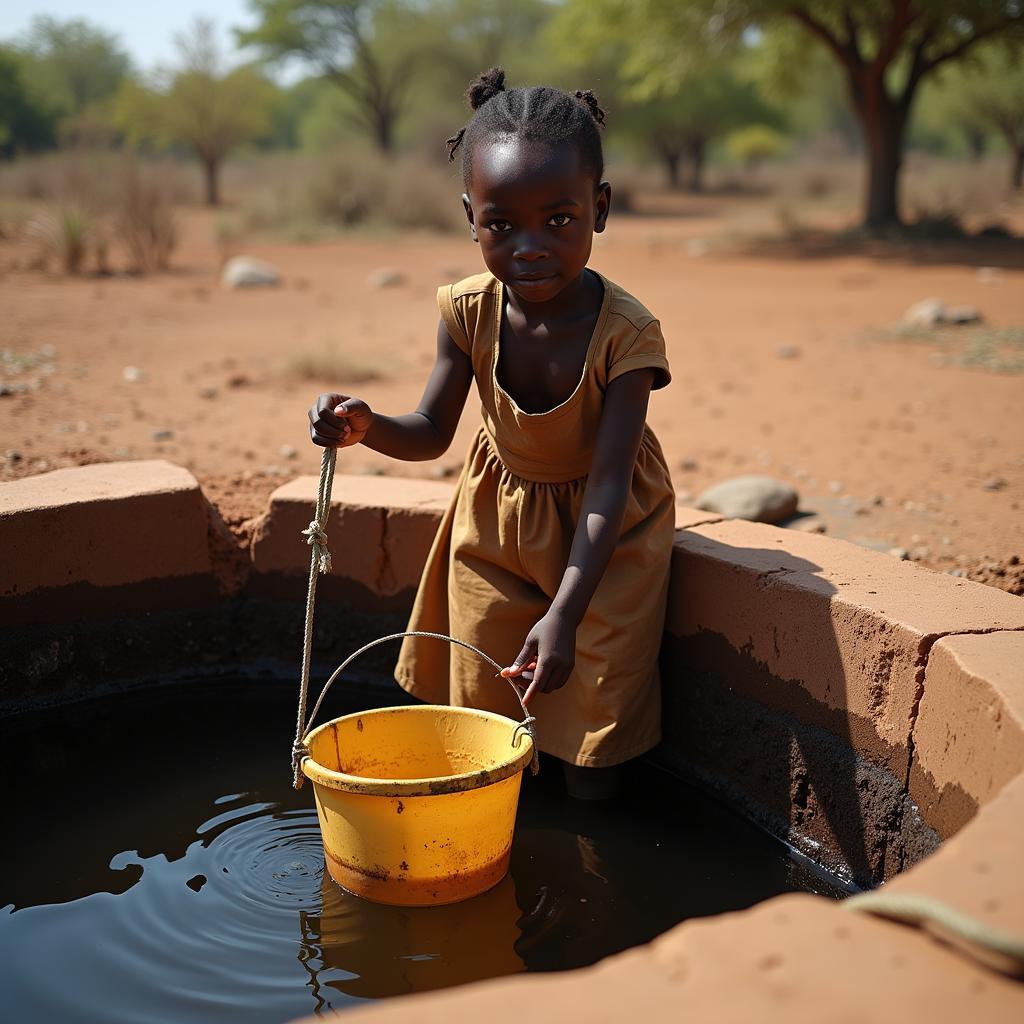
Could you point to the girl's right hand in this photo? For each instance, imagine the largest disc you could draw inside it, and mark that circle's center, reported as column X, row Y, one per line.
column 339, row 421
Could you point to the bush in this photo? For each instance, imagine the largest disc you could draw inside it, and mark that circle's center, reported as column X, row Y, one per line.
column 64, row 233
column 143, row 218
column 755, row 144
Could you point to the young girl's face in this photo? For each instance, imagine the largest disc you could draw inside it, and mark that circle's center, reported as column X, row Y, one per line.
column 534, row 210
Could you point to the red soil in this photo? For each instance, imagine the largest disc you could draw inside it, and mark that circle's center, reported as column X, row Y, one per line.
column 886, row 441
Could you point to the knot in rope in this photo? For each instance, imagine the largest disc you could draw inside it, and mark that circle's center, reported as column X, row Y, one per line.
column 316, row 538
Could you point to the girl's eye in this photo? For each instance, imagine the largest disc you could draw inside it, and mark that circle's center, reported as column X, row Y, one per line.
column 499, row 226
column 559, row 220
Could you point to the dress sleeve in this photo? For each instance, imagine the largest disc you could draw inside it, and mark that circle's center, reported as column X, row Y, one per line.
column 452, row 317
column 646, row 349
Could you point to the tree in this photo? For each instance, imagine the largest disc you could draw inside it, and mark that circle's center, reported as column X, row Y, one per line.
column 885, row 49
column 200, row 105
column 75, row 69
column 25, row 122
column 363, row 46
column 679, row 126
column 990, row 94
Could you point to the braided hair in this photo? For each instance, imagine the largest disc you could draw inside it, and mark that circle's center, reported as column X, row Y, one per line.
column 537, row 112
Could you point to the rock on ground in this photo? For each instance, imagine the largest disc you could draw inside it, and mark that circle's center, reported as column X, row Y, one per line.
column 761, row 499
column 246, row 272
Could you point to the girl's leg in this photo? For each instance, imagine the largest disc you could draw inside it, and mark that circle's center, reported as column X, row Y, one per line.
column 593, row 783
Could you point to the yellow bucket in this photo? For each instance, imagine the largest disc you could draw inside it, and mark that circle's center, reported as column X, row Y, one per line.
column 417, row 804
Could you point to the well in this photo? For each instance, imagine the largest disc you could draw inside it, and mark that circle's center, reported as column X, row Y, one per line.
column 868, row 711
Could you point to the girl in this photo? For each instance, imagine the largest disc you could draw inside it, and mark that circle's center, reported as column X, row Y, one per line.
column 558, row 537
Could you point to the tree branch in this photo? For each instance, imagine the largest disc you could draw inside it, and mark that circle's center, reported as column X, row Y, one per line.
column 847, row 54
column 965, row 44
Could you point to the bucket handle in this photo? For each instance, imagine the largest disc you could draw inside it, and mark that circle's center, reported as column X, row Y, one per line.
column 525, row 725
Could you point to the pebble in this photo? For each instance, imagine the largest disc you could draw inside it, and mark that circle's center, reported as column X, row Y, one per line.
column 246, row 272
column 990, row 275
column 900, row 553
column 162, row 435
column 996, row 483
column 286, row 451
column 963, row 315
column 385, row 277
column 788, row 352
column 697, row 247
column 956, row 572
column 442, row 472
column 371, row 471
column 122, row 453
column 688, row 465
column 133, row 375
column 835, row 486
column 925, row 313
column 13, row 456
column 208, row 392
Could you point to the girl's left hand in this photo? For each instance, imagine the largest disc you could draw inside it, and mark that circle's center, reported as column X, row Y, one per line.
column 547, row 657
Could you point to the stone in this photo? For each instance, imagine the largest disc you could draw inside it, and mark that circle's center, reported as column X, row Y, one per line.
column 689, row 465
column 247, row 272
column 901, row 553
column 996, row 483
column 133, row 375
column 379, row 531
column 287, row 451
column 963, row 315
column 758, row 498
column 13, row 456
column 788, row 352
column 385, row 277
column 162, row 435
column 969, row 734
column 926, row 313
column 104, row 525
column 835, row 486
column 208, row 392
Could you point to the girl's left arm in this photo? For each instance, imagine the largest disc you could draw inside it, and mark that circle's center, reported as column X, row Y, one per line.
column 550, row 647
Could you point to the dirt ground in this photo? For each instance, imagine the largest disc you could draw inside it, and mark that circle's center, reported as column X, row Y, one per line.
column 784, row 363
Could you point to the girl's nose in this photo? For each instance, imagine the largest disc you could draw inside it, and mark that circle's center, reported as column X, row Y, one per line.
column 529, row 249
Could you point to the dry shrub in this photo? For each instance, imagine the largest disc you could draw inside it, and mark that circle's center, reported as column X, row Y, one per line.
column 143, row 217
column 303, row 197
column 93, row 201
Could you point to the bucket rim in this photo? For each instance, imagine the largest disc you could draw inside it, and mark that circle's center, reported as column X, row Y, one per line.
column 427, row 786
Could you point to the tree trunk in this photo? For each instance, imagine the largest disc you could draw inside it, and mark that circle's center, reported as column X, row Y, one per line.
column 210, row 174
column 883, row 121
column 383, row 129
column 975, row 143
column 1017, row 174
column 695, row 150
column 671, row 161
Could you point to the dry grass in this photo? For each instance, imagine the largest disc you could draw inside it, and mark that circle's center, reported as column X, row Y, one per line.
column 331, row 367
column 302, row 197
column 996, row 349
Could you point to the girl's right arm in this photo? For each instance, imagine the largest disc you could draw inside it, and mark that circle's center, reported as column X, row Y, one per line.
column 339, row 421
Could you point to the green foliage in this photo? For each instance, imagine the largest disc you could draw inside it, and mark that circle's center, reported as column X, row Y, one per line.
column 367, row 48
column 755, row 144
column 25, row 121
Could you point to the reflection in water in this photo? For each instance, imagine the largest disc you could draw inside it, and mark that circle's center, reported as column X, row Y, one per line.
column 369, row 951
column 195, row 890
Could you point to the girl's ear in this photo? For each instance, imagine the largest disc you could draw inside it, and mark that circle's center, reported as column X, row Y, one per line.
column 602, row 204
column 467, row 206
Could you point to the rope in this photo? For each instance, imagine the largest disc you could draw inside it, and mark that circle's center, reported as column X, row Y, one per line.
column 320, row 561
column 989, row 946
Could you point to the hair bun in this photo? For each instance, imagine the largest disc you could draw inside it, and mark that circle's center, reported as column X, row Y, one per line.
column 589, row 100
column 489, row 84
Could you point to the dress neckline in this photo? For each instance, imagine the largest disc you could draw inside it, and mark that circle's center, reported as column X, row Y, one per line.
column 574, row 395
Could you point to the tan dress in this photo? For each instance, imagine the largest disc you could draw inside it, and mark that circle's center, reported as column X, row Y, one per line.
column 503, row 545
